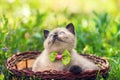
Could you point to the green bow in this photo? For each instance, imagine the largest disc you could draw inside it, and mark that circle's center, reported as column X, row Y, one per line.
column 66, row 57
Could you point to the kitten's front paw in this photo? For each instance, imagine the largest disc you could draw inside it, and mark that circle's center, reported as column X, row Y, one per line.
column 75, row 69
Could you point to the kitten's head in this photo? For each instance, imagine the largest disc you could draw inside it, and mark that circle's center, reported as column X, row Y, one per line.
column 60, row 39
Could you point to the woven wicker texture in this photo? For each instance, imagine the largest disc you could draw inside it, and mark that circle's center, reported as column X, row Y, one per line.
column 20, row 64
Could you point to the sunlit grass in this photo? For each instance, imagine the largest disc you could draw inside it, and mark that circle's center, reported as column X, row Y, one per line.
column 21, row 29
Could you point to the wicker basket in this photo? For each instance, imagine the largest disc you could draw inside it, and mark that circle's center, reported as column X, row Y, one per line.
column 20, row 66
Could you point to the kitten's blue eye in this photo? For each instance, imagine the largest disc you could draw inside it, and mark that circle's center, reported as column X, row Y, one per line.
column 62, row 33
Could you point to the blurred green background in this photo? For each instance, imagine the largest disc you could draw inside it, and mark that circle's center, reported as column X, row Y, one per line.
column 97, row 24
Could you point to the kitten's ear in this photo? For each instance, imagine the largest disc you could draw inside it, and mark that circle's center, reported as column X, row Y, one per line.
column 70, row 27
column 46, row 32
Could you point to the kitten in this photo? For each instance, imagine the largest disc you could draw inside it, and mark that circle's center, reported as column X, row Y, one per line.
column 58, row 40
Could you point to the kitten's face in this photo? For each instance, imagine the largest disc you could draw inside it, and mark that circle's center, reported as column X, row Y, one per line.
column 60, row 39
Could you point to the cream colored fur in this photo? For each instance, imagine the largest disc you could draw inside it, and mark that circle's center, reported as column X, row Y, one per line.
column 43, row 62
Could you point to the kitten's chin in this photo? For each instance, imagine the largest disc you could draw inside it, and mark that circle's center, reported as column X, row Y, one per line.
column 59, row 50
column 59, row 46
column 58, row 41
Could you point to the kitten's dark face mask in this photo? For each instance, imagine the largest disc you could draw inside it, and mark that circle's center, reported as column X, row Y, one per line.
column 56, row 38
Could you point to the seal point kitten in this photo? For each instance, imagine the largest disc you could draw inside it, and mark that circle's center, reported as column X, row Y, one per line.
column 58, row 40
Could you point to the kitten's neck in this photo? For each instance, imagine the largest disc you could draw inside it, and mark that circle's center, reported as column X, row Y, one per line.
column 48, row 52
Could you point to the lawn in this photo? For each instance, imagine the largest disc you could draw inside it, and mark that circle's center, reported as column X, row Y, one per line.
column 97, row 25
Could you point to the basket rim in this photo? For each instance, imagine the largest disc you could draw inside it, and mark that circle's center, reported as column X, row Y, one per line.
column 54, row 72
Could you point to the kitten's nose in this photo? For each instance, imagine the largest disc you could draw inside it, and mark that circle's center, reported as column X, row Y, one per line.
column 55, row 36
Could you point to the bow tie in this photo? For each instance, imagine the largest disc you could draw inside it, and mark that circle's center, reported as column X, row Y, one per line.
column 65, row 57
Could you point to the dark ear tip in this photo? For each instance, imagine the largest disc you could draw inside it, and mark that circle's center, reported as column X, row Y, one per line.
column 70, row 27
column 46, row 32
column 70, row 24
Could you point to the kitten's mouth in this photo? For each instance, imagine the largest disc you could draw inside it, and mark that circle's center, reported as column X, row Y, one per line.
column 57, row 39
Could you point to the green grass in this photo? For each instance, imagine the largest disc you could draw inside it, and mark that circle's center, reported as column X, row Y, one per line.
column 97, row 32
